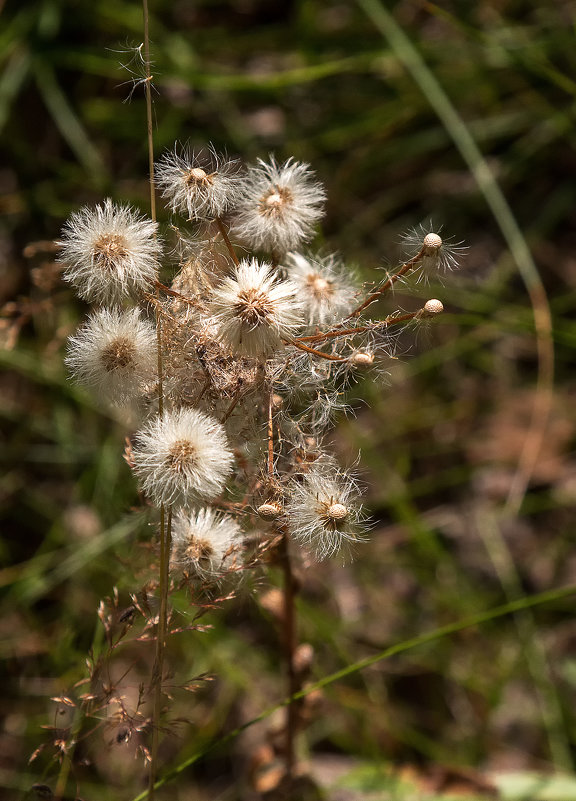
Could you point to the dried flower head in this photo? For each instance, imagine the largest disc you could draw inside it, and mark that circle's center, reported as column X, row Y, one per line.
column 205, row 543
column 253, row 309
column 323, row 513
column 202, row 185
column 110, row 252
column 437, row 253
column 269, row 510
column 114, row 354
column 323, row 285
column 182, row 456
column 279, row 207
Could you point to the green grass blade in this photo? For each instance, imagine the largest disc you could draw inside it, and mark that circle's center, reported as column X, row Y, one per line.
column 12, row 80
column 407, row 645
column 496, row 201
column 68, row 122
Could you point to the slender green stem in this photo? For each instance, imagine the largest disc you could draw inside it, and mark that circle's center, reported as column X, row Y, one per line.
column 530, row 644
column 80, row 713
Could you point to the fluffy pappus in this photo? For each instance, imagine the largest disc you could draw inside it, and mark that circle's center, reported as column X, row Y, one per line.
column 202, row 185
column 205, row 543
column 279, row 207
column 110, row 252
column 324, row 286
column 114, row 354
column 253, row 310
column 438, row 254
column 182, row 456
column 323, row 512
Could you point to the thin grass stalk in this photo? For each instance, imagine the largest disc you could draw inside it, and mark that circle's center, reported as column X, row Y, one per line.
column 80, row 714
column 531, row 644
column 289, row 625
column 471, row 622
column 483, row 175
column 165, row 530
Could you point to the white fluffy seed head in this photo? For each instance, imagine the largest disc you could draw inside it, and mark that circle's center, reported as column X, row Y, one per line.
column 109, row 252
column 324, row 287
column 252, row 310
column 323, row 512
column 200, row 185
column 205, row 543
column 182, row 456
column 279, row 207
column 437, row 253
column 114, row 355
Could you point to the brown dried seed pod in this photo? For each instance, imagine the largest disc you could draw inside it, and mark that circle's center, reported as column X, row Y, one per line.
column 269, row 510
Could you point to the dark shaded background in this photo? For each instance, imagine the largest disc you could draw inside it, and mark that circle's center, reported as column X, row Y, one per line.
column 440, row 443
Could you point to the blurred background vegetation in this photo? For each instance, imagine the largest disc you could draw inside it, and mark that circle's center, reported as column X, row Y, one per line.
column 440, row 443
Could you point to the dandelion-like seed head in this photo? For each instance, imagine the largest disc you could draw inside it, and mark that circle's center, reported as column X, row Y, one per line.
column 205, row 543
column 323, row 513
column 114, row 354
column 118, row 354
column 323, row 285
column 253, row 310
column 109, row 252
column 181, row 457
column 201, row 185
column 279, row 206
column 438, row 253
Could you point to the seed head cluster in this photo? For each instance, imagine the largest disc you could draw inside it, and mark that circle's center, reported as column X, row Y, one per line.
column 234, row 367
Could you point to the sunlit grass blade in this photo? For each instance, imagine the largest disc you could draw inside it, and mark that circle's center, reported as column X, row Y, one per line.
column 504, row 217
column 479, row 619
column 68, row 122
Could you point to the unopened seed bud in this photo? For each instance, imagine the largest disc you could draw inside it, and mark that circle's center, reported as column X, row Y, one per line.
column 337, row 512
column 433, row 306
column 362, row 358
column 432, row 242
column 303, row 657
column 270, row 510
column 197, row 173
